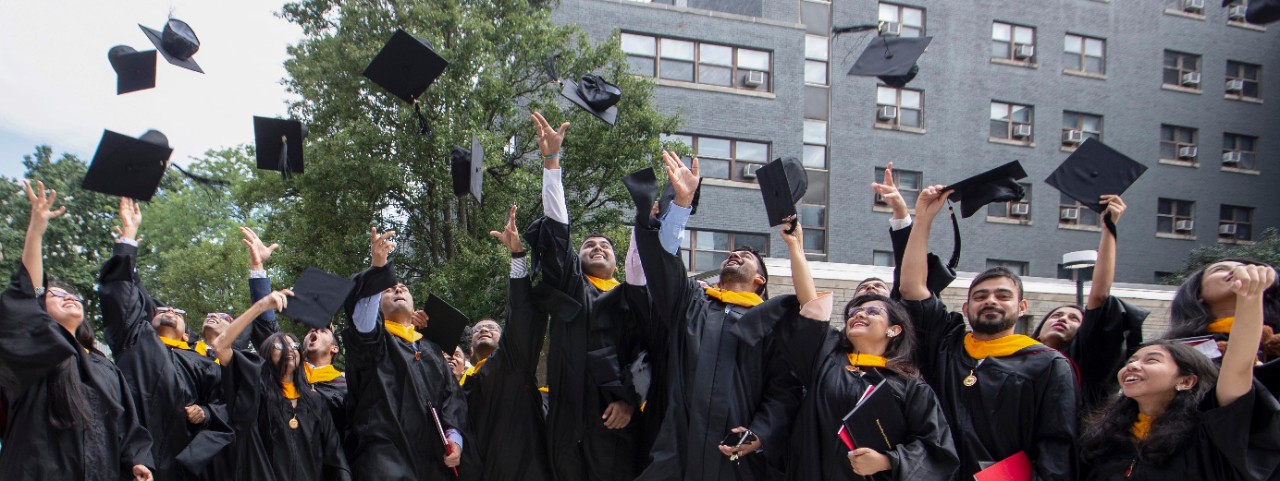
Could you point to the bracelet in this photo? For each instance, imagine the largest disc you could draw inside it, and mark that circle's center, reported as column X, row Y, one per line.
column 517, row 255
column 552, row 156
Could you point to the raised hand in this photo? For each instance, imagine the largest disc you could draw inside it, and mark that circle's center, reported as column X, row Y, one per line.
column 1115, row 206
column 509, row 237
column 888, row 190
column 1250, row 282
column 419, row 319
column 549, row 140
column 931, row 201
column 258, row 252
column 276, row 301
column 130, row 219
column 795, row 239
column 380, row 246
column 41, row 205
column 683, row 179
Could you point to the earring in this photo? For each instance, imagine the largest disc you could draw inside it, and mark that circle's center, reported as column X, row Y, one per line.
column 1179, row 388
column 889, row 334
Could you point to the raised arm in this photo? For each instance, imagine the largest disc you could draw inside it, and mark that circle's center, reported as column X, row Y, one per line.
column 1104, row 271
column 549, row 239
column 259, row 284
column 801, row 278
column 126, row 315
column 41, row 212
column 1249, row 283
column 523, row 333
column 371, row 283
column 549, row 141
column 665, row 273
column 915, row 261
column 276, row 301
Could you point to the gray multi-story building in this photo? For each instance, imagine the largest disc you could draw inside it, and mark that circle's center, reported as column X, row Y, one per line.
column 1177, row 85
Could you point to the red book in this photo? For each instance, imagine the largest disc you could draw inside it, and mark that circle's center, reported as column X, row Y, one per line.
column 1012, row 468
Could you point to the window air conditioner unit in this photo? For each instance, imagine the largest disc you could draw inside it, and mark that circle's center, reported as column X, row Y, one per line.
column 1024, row 52
column 749, row 171
column 1231, row 158
column 1235, row 86
column 1187, row 152
column 1022, row 131
column 1070, row 214
column 1193, row 6
column 890, row 29
column 1236, row 13
column 755, row 78
column 1184, row 225
column 1073, row 136
column 1227, row 229
column 887, row 112
column 1020, row 209
column 1191, row 79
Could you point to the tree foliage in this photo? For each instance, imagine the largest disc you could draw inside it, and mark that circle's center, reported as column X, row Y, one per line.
column 1265, row 249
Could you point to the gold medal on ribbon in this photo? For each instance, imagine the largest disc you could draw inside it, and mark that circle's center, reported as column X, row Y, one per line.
column 970, row 380
column 293, row 423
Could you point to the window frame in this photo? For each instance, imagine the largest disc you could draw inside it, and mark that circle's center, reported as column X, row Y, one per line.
column 897, row 94
column 735, row 163
column 1181, row 68
column 1079, row 125
column 1178, row 145
column 1066, row 202
column 1239, row 75
column 688, row 247
column 1084, row 56
column 1174, row 217
column 1235, row 211
column 1231, row 143
column 1012, row 44
column 909, row 194
column 1010, row 124
column 1008, row 208
column 736, row 70
column 1021, row 268
column 898, row 17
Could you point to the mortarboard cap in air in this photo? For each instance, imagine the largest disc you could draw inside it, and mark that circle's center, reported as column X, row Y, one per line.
column 1262, row 12
column 995, row 185
column 891, row 59
column 406, row 66
column 317, row 296
column 445, row 323
column 1094, row 170
column 467, row 168
column 783, row 182
column 177, row 43
column 595, row 95
column 278, row 143
column 134, row 70
column 128, row 167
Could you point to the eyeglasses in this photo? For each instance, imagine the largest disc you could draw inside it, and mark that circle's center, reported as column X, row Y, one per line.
column 57, row 292
column 487, row 327
column 870, row 310
column 162, row 310
column 292, row 345
column 220, row 316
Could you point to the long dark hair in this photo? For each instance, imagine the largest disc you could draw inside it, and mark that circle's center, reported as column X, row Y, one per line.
column 1035, row 334
column 1110, row 426
column 1189, row 315
column 277, row 369
column 898, row 354
column 68, row 404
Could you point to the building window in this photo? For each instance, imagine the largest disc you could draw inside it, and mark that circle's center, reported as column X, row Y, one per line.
column 722, row 158
column 910, row 20
column 705, row 63
column 1240, row 151
column 909, row 185
column 705, row 250
column 1181, row 70
column 1176, row 217
column 1236, row 12
column 1018, row 267
column 815, row 144
column 1243, row 80
column 1084, row 54
column 1011, row 122
column 1235, row 223
column 899, row 107
column 816, row 17
column 815, row 64
column 882, row 258
column 1013, row 42
column 1019, row 210
column 1073, row 213
column 1178, row 144
column 1076, row 127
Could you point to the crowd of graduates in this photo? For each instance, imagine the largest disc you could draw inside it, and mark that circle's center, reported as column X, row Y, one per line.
column 657, row 377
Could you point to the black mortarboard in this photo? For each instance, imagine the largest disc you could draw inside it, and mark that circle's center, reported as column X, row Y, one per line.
column 406, row 66
column 467, row 168
column 1093, row 170
column 134, row 70
column 445, row 323
column 595, row 95
column 128, row 167
column 317, row 296
column 1262, row 12
column 995, row 185
column 177, row 43
column 278, row 143
column 891, row 59
column 783, row 182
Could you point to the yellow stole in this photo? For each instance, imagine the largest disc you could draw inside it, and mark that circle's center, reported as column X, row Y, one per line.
column 175, row 343
column 402, row 331
column 316, row 375
column 744, row 299
column 290, row 391
column 996, row 347
column 1221, row 326
column 605, row 285
column 866, row 360
column 1142, row 426
column 470, row 371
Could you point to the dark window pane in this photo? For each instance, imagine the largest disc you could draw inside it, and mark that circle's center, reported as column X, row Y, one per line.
column 1244, row 232
column 752, row 151
column 720, row 239
column 999, row 129
column 1165, row 207
column 998, row 209
column 816, row 17
column 1184, row 209
column 1071, row 61
column 756, row 242
column 677, row 70
column 712, row 147
column 999, row 50
column 713, row 168
column 1093, row 64
column 1251, row 89
column 1088, row 216
column 815, row 103
column 815, row 240
column 817, row 193
column 1164, row 224
column 1171, row 77
column 910, row 118
column 812, row 215
column 714, row 75
column 640, row 65
column 1168, row 150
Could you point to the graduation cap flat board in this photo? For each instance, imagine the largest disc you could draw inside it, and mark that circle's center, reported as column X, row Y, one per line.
column 177, row 43
column 406, row 66
column 1093, row 170
column 891, row 59
column 995, row 185
column 595, row 95
column 134, row 70
column 445, row 323
column 278, row 143
column 317, row 296
column 783, row 182
column 128, row 167
column 467, row 168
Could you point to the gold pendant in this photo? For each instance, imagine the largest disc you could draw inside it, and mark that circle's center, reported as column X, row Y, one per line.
column 853, row 369
column 970, row 380
column 293, row 423
column 417, row 356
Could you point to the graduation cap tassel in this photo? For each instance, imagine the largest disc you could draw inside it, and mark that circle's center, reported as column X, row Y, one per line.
column 283, row 164
column 955, row 234
column 1111, row 225
column 201, row 179
column 550, row 67
column 422, row 120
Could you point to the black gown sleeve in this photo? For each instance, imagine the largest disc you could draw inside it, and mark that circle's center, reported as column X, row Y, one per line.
column 1099, row 348
column 1246, row 432
column 780, row 398
column 932, row 323
column 1053, row 444
column 135, row 440
column 554, row 256
column 266, row 324
column 931, row 452
column 126, row 316
column 669, row 287
column 366, row 349
column 804, row 343
column 899, row 238
column 31, row 344
column 521, row 341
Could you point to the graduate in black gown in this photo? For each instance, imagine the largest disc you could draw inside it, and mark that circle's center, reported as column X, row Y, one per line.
column 838, row 367
column 177, row 390
column 592, row 398
column 396, row 380
column 726, row 371
column 283, row 427
column 1172, row 421
column 70, row 415
column 1002, row 392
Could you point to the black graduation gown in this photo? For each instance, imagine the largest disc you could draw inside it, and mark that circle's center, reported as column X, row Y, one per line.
column 587, row 365
column 1022, row 402
column 1239, row 441
column 388, row 395
column 812, row 347
column 1102, row 343
column 504, row 406
column 267, row 449
column 163, row 380
column 32, row 345
column 724, row 371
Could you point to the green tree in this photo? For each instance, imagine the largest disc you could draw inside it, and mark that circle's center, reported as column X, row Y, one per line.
column 1265, row 249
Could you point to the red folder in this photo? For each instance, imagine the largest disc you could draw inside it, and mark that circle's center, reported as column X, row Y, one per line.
column 1012, row 468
